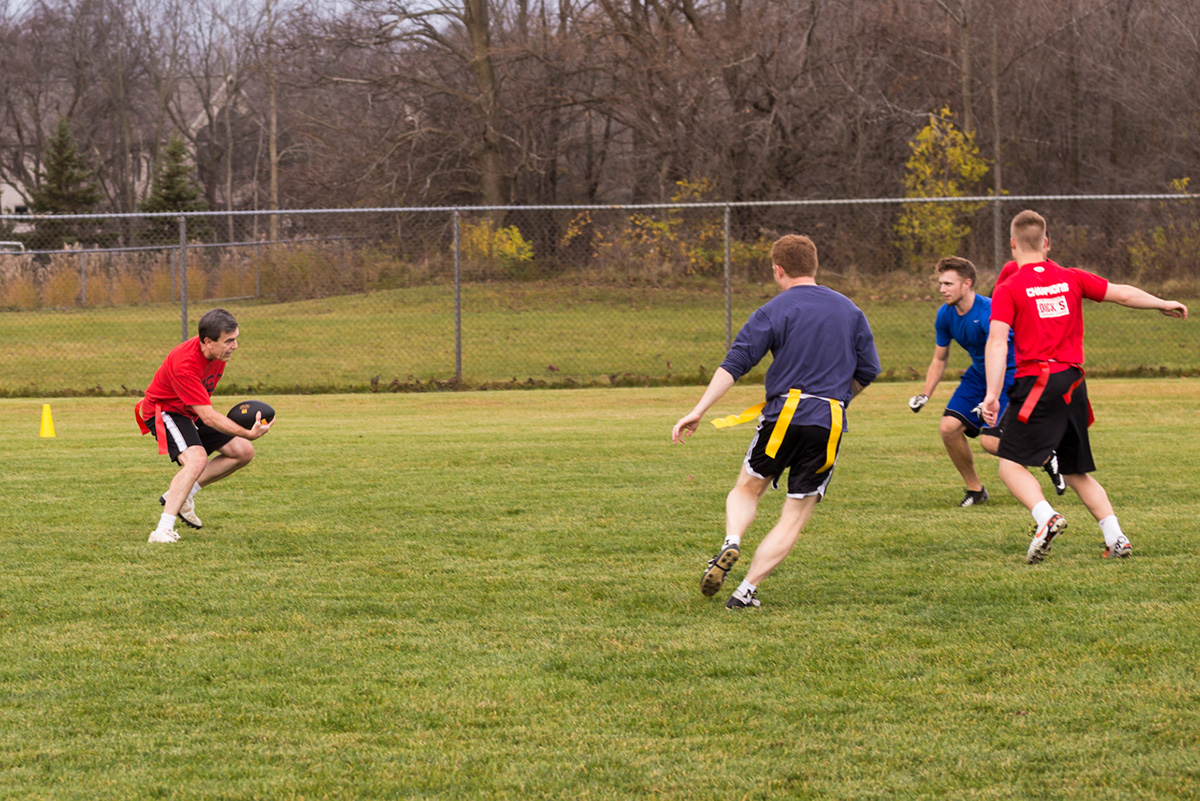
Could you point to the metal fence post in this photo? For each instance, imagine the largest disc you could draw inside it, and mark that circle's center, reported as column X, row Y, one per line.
column 728, row 285
column 457, row 302
column 183, row 278
column 997, row 234
column 82, row 278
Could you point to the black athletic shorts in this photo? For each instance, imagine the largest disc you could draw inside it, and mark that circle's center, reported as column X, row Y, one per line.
column 804, row 451
column 1054, row 424
column 183, row 433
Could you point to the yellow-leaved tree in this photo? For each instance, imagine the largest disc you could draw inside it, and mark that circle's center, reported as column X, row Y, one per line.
column 1171, row 250
column 945, row 163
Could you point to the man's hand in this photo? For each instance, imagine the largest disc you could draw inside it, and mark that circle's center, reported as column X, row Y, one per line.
column 989, row 410
column 685, row 427
column 259, row 428
column 1175, row 309
column 917, row 401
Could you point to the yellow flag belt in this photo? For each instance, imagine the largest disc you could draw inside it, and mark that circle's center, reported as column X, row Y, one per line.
column 785, row 420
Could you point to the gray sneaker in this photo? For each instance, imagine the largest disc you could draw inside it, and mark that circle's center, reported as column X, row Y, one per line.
column 187, row 512
column 718, row 566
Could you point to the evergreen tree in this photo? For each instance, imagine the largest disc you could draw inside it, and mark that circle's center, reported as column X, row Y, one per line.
column 65, row 186
column 174, row 189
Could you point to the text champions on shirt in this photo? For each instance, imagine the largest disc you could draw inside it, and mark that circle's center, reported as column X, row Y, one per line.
column 1042, row 291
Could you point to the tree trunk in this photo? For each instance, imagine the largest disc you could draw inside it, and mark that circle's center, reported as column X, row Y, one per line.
column 489, row 157
column 272, row 129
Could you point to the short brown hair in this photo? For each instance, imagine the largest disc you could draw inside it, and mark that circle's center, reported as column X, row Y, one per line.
column 796, row 254
column 214, row 323
column 1029, row 230
column 958, row 264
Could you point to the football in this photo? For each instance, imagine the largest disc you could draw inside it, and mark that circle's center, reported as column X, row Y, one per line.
column 244, row 412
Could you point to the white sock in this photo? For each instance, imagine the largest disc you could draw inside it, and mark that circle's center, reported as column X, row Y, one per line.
column 733, row 539
column 745, row 589
column 166, row 523
column 195, row 488
column 1111, row 530
column 1042, row 512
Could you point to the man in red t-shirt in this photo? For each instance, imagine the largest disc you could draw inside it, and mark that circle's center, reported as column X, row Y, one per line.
column 1048, row 408
column 177, row 407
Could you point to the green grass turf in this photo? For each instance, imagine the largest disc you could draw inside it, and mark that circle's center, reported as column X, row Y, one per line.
column 513, row 334
column 495, row 595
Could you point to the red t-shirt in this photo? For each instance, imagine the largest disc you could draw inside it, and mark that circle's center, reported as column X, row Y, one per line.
column 1042, row 303
column 1008, row 269
column 184, row 380
column 1006, row 272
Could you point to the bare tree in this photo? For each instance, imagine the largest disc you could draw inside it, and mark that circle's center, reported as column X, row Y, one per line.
column 462, row 33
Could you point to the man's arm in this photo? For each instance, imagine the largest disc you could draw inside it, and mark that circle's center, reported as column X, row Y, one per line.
column 995, row 360
column 214, row 419
column 721, row 381
column 1134, row 298
column 937, row 369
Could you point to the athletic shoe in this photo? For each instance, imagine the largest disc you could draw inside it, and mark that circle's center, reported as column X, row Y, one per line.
column 1044, row 536
column 187, row 512
column 1051, row 468
column 163, row 536
column 743, row 600
column 718, row 566
column 973, row 498
column 1121, row 550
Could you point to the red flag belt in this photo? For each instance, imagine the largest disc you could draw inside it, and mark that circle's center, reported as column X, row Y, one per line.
column 1039, row 386
column 160, row 430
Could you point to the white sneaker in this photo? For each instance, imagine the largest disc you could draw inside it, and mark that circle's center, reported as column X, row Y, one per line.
column 1044, row 536
column 187, row 512
column 163, row 536
column 1120, row 550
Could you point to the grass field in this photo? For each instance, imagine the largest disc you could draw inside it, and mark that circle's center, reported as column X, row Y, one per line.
column 495, row 595
column 523, row 334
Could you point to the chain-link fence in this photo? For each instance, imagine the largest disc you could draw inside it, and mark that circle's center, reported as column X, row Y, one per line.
column 390, row 299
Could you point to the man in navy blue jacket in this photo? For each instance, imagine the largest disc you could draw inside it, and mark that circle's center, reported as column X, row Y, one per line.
column 824, row 355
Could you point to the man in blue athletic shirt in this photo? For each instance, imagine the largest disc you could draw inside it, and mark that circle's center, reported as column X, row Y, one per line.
column 965, row 318
column 824, row 354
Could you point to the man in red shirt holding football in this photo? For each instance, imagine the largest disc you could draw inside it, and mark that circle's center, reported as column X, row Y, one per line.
column 1048, row 407
column 178, row 408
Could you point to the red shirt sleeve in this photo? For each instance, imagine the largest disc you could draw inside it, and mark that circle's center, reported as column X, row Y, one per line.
column 1093, row 286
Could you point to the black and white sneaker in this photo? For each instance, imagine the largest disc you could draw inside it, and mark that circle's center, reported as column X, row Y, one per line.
column 718, row 566
column 973, row 498
column 1056, row 478
column 743, row 600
